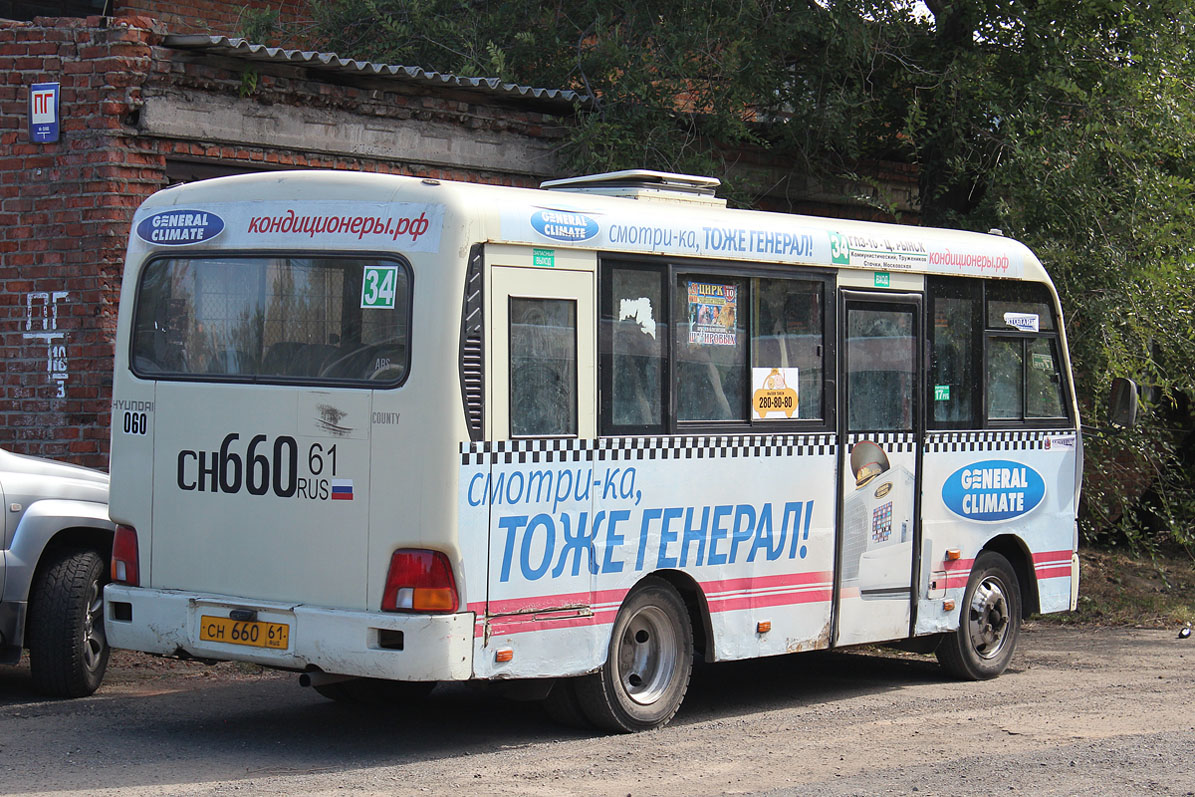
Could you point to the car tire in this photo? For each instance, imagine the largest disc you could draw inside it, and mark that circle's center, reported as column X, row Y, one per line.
column 68, row 651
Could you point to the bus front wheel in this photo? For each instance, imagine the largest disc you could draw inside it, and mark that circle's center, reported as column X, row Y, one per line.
column 989, row 624
column 647, row 668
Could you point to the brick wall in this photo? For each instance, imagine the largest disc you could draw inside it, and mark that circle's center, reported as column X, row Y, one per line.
column 64, row 212
column 220, row 17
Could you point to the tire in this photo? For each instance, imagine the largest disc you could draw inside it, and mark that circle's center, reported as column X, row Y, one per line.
column 375, row 691
column 563, row 707
column 68, row 651
column 648, row 664
column 989, row 624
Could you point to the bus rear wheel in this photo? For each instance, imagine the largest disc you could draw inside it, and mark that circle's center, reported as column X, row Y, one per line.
column 562, row 705
column 989, row 624
column 648, row 664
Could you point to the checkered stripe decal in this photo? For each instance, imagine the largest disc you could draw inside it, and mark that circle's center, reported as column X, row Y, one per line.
column 891, row 442
column 991, row 441
column 639, row 448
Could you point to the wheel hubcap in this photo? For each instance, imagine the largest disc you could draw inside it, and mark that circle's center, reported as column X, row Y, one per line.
column 93, row 628
column 988, row 621
column 647, row 655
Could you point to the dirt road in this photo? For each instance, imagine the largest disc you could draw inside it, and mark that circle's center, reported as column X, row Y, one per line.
column 1081, row 712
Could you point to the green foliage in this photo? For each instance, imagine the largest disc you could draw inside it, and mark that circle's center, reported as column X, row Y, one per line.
column 1065, row 124
column 1094, row 168
column 259, row 25
column 249, row 79
column 673, row 84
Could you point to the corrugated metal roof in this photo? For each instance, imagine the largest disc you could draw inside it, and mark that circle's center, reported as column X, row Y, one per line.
column 241, row 48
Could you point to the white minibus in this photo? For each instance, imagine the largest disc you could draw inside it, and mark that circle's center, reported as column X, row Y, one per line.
column 387, row 431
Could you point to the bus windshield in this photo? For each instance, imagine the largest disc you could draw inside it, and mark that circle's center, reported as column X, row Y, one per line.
column 273, row 319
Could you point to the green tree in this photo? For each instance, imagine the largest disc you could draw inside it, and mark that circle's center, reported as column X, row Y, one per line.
column 1068, row 125
column 672, row 84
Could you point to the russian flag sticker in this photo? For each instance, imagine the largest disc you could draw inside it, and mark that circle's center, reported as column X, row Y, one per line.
column 342, row 489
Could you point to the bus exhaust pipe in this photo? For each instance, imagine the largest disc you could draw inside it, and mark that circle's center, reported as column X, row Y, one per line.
column 308, row 679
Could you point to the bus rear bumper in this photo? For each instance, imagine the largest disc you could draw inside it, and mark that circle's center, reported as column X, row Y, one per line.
column 405, row 647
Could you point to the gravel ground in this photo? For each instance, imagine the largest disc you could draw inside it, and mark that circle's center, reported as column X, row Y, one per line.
column 1081, row 711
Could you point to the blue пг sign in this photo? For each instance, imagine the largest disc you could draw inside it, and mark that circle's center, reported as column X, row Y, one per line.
column 180, row 227
column 993, row 490
column 43, row 113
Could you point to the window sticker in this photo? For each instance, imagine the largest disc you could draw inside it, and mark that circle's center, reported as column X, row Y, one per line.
column 775, row 391
column 639, row 311
column 378, row 285
column 713, row 310
column 1043, row 362
column 1026, row 322
column 1060, row 443
column 941, row 392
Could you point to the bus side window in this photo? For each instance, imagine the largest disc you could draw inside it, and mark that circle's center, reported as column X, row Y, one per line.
column 1024, row 377
column 954, row 335
column 1043, row 381
column 1006, row 364
column 543, row 367
column 634, row 341
column 730, row 337
column 787, row 337
column 711, row 349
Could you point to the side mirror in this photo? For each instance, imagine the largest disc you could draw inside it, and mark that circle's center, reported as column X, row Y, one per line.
column 1122, row 405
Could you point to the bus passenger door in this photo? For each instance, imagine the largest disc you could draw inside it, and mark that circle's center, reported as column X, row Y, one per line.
column 880, row 426
column 541, row 402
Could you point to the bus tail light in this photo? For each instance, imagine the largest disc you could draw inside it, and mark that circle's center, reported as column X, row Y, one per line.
column 419, row 581
column 124, row 557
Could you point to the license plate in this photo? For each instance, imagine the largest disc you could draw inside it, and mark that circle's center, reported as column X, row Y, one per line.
column 244, row 632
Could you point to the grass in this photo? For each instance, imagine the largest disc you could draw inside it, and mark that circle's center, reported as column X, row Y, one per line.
column 1116, row 588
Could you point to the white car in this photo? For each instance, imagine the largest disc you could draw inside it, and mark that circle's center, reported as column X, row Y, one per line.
column 56, row 544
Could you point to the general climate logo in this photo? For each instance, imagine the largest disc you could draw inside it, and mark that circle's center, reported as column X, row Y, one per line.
column 564, row 225
column 180, row 227
column 993, row 490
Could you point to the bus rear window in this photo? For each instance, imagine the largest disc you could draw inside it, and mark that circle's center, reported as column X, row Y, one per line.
column 273, row 319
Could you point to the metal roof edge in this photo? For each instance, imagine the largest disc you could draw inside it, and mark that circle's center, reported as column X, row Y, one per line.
column 242, row 48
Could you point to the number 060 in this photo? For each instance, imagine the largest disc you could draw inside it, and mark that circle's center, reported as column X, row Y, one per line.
column 136, row 423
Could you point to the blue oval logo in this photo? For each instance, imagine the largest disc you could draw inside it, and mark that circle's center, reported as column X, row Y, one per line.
column 993, row 490
column 562, row 225
column 180, row 227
